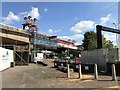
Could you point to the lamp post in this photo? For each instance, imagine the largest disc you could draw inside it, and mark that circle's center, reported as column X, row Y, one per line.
column 34, row 33
column 116, row 33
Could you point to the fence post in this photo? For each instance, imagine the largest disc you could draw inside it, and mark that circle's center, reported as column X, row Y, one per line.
column 113, row 73
column 79, row 72
column 68, row 71
column 95, row 72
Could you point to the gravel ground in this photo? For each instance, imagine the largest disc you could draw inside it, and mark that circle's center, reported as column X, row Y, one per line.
column 39, row 76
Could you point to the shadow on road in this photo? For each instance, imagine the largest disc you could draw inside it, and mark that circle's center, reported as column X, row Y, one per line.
column 42, row 63
column 104, row 80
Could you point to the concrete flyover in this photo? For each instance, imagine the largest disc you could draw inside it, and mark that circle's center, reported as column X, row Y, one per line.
column 31, row 43
column 10, row 34
column 16, row 40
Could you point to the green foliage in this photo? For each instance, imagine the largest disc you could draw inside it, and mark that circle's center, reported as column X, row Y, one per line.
column 75, row 52
column 107, row 43
column 90, row 41
column 111, row 57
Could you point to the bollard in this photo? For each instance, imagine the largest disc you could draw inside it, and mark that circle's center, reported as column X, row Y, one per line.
column 95, row 72
column 79, row 72
column 62, row 65
column 54, row 64
column 113, row 73
column 68, row 71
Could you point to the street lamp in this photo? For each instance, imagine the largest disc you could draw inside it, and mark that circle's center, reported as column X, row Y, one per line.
column 116, row 33
column 34, row 37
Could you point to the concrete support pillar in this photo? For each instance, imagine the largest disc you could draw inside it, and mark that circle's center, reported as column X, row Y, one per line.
column 79, row 72
column 113, row 73
column 1, row 80
column 68, row 71
column 95, row 72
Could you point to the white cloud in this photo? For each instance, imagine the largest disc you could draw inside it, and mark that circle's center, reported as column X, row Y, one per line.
column 111, row 37
column 82, row 26
column 13, row 18
column 34, row 13
column 23, row 13
column 104, row 20
column 64, row 37
column 77, row 43
column 10, row 18
column 45, row 9
column 50, row 31
column 54, row 31
column 77, row 36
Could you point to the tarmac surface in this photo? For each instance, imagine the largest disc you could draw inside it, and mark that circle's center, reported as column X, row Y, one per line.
column 46, row 76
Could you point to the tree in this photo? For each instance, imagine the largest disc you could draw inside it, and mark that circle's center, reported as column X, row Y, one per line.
column 107, row 43
column 90, row 41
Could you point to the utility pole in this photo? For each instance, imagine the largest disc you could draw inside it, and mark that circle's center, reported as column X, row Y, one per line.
column 116, row 34
column 34, row 33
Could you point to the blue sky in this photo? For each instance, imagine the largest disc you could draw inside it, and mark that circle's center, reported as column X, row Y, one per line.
column 66, row 20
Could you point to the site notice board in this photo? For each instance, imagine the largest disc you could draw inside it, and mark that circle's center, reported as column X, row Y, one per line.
column 6, row 57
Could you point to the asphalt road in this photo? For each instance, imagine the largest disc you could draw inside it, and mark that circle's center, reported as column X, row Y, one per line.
column 39, row 76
